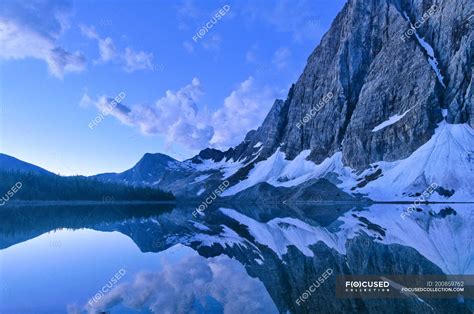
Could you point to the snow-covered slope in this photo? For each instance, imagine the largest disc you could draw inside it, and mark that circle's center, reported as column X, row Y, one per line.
column 439, row 233
column 446, row 160
column 227, row 168
column 279, row 171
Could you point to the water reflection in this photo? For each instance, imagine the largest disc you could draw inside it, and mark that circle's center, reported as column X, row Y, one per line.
column 232, row 259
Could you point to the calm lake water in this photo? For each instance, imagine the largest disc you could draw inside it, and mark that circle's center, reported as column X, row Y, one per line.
column 124, row 258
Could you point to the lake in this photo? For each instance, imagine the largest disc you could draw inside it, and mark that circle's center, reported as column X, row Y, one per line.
column 151, row 258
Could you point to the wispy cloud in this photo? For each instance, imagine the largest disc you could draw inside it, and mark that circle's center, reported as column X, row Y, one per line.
column 281, row 57
column 175, row 116
column 130, row 59
column 25, row 34
column 251, row 55
column 137, row 60
column 295, row 17
column 243, row 110
column 86, row 101
column 106, row 45
column 178, row 118
column 188, row 45
column 188, row 13
column 212, row 43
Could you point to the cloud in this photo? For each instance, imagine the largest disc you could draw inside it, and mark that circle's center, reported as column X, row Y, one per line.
column 192, row 16
column 251, row 56
column 188, row 13
column 107, row 48
column 209, row 42
column 243, row 110
column 280, row 57
column 25, row 34
column 186, row 286
column 177, row 117
column 130, row 59
column 188, row 46
column 174, row 116
column 86, row 101
column 295, row 17
column 137, row 60
column 212, row 43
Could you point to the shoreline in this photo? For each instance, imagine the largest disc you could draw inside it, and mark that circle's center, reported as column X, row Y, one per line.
column 13, row 203
column 178, row 202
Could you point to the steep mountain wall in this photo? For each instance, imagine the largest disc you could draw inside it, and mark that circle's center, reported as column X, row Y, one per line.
column 374, row 74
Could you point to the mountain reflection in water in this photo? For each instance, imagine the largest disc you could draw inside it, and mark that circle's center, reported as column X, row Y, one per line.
column 56, row 258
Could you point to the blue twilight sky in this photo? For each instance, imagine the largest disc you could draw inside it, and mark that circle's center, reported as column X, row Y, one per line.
column 62, row 63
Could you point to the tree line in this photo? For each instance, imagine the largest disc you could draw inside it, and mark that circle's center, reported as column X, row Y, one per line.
column 34, row 186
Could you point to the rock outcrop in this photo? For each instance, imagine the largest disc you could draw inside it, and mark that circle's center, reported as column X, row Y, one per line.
column 374, row 74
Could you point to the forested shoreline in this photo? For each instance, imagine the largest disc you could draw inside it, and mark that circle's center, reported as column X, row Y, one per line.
column 33, row 186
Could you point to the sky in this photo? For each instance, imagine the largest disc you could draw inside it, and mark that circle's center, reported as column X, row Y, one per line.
column 88, row 87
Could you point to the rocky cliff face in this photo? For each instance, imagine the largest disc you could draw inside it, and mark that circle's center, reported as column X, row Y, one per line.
column 374, row 74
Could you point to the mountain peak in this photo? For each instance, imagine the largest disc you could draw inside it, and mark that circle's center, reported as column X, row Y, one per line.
column 208, row 154
column 9, row 163
column 155, row 158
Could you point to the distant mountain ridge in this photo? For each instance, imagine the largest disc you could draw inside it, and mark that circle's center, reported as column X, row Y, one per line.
column 33, row 183
column 149, row 166
column 9, row 163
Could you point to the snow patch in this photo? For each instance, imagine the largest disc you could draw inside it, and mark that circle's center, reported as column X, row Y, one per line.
column 278, row 171
column 228, row 168
column 393, row 119
column 199, row 226
column 201, row 178
column 431, row 58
